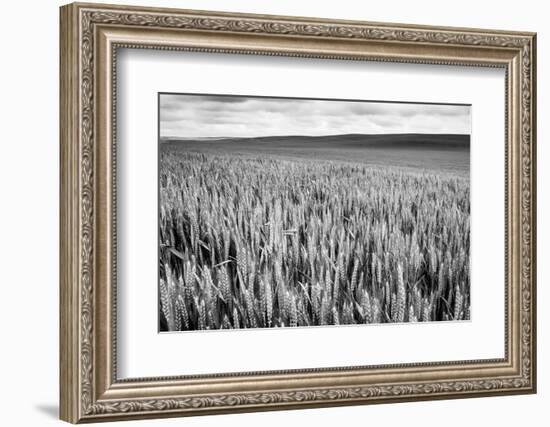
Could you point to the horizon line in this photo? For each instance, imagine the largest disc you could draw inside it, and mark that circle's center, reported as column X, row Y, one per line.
column 313, row 136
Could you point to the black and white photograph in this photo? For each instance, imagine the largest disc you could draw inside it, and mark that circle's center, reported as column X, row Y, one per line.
column 291, row 212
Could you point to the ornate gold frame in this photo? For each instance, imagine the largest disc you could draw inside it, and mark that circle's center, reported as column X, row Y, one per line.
column 90, row 35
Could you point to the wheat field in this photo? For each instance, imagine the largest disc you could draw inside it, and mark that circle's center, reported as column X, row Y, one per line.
column 259, row 242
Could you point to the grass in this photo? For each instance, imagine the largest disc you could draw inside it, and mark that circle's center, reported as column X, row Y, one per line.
column 248, row 242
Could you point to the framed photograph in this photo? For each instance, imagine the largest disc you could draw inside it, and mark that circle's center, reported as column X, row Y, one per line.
column 267, row 212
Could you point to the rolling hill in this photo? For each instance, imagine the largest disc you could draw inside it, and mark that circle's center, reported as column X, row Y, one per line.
column 436, row 152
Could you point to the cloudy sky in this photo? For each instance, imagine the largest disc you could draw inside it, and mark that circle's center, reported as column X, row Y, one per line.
column 192, row 116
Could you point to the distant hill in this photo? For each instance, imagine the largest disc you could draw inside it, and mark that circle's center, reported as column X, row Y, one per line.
column 437, row 152
column 387, row 141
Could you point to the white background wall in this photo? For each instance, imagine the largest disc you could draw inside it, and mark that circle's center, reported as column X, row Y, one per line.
column 29, row 171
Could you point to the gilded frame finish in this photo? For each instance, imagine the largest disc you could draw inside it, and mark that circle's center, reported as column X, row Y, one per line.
column 90, row 36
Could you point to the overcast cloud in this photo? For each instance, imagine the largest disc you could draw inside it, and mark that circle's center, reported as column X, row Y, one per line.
column 193, row 116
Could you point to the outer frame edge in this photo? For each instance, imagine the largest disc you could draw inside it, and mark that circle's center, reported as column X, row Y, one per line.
column 68, row 206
